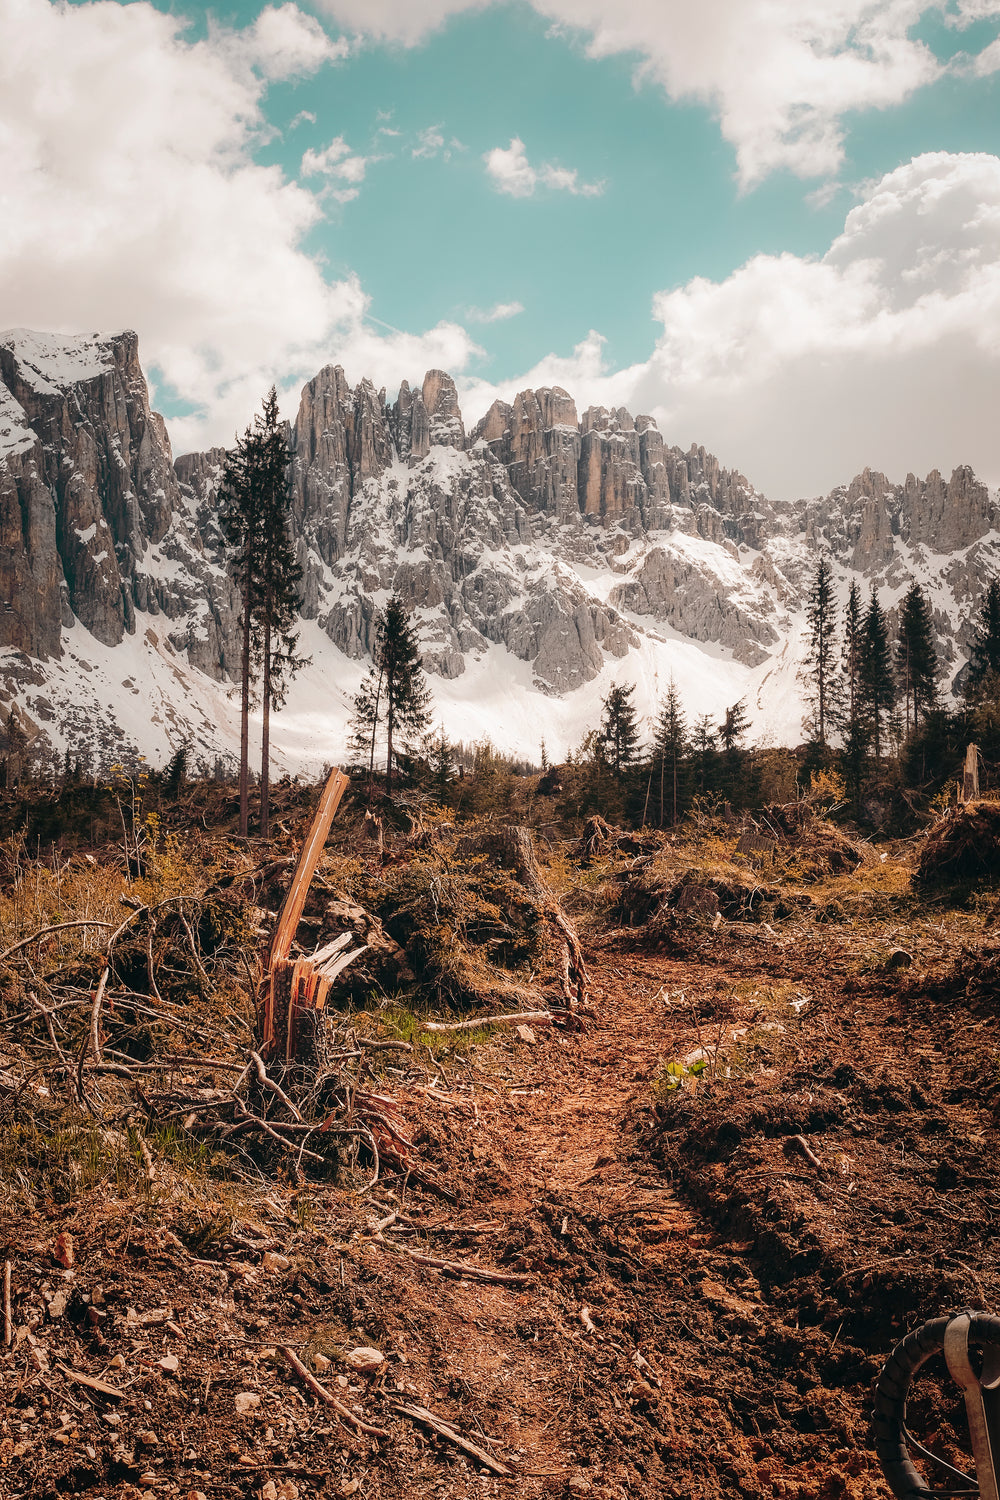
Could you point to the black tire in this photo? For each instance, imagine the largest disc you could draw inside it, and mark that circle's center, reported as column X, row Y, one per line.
column 893, row 1388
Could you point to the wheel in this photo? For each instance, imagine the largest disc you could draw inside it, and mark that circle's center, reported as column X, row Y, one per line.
column 891, row 1437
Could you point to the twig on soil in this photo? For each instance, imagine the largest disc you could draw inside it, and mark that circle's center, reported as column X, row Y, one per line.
column 800, row 1143
column 91, row 1383
column 8, row 1319
column 539, row 1017
column 465, row 1268
column 321, row 1391
column 444, row 1429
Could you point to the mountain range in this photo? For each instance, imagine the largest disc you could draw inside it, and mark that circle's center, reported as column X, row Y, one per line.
column 545, row 554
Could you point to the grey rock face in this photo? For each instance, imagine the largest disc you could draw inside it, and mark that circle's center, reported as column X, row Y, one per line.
column 96, row 488
column 560, row 540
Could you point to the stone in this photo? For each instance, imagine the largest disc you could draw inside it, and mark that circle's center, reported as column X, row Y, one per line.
column 365, row 1360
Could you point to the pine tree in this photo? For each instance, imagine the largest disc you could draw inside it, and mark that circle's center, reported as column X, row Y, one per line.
column 851, row 658
column 916, row 658
column 821, row 612
column 669, row 752
column 394, row 693
column 704, row 752
column 982, row 679
column 254, row 509
column 732, row 732
column 442, row 760
column 619, row 729
column 876, row 683
column 278, row 593
column 854, row 725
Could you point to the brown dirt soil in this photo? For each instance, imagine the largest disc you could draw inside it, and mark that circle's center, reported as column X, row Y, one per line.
column 696, row 1310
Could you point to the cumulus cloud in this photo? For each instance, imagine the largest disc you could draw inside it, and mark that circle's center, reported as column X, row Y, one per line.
column 340, row 164
column 511, row 172
column 801, row 371
column 129, row 197
column 780, row 75
column 498, row 313
column 283, row 43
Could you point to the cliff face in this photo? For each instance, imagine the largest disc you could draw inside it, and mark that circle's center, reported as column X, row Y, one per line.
column 564, row 542
column 93, row 522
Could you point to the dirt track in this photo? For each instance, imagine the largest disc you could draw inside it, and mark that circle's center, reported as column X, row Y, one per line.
column 704, row 1311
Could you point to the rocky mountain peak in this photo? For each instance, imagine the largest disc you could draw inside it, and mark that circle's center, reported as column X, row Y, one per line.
column 545, row 550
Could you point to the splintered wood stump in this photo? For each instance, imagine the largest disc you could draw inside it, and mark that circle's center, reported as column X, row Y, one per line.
column 294, row 991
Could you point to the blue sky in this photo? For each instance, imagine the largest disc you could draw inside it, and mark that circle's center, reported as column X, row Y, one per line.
column 675, row 179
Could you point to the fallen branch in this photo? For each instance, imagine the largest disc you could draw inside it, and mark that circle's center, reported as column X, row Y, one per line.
column 444, row 1429
column 275, row 1088
column 465, row 1268
column 92, row 1383
column 45, row 931
column 539, row 1017
column 309, row 1380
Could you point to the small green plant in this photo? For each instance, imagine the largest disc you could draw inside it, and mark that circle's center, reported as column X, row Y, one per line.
column 678, row 1075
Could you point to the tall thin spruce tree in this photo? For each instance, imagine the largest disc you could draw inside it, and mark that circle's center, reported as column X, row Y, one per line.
column 394, row 694
column 240, row 518
column 619, row 729
column 854, row 722
column 821, row 612
column 982, row 680
column 278, row 593
column 916, row 658
column 669, row 752
column 876, row 679
column 254, row 511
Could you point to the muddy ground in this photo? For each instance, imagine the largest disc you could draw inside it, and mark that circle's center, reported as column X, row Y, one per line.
column 694, row 1305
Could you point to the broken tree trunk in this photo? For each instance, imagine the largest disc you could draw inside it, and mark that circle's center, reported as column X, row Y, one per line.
column 970, row 779
column 294, row 991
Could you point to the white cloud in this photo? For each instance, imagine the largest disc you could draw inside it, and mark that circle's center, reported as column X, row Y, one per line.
column 283, row 43
column 498, row 313
column 512, row 173
column 780, row 75
column 429, row 142
column 802, row 371
column 129, row 198
column 338, row 163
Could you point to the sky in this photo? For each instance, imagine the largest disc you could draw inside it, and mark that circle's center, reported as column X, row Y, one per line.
column 772, row 224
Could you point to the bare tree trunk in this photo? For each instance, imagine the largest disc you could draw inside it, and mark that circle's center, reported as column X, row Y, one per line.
column 389, row 716
column 371, row 752
column 245, row 717
column 265, row 739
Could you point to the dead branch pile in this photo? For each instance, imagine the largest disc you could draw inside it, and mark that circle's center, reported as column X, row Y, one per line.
column 658, row 892
column 963, row 845
column 821, row 849
column 127, row 1070
column 510, row 848
column 599, row 838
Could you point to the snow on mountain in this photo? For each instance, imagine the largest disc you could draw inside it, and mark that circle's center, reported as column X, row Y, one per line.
column 544, row 557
